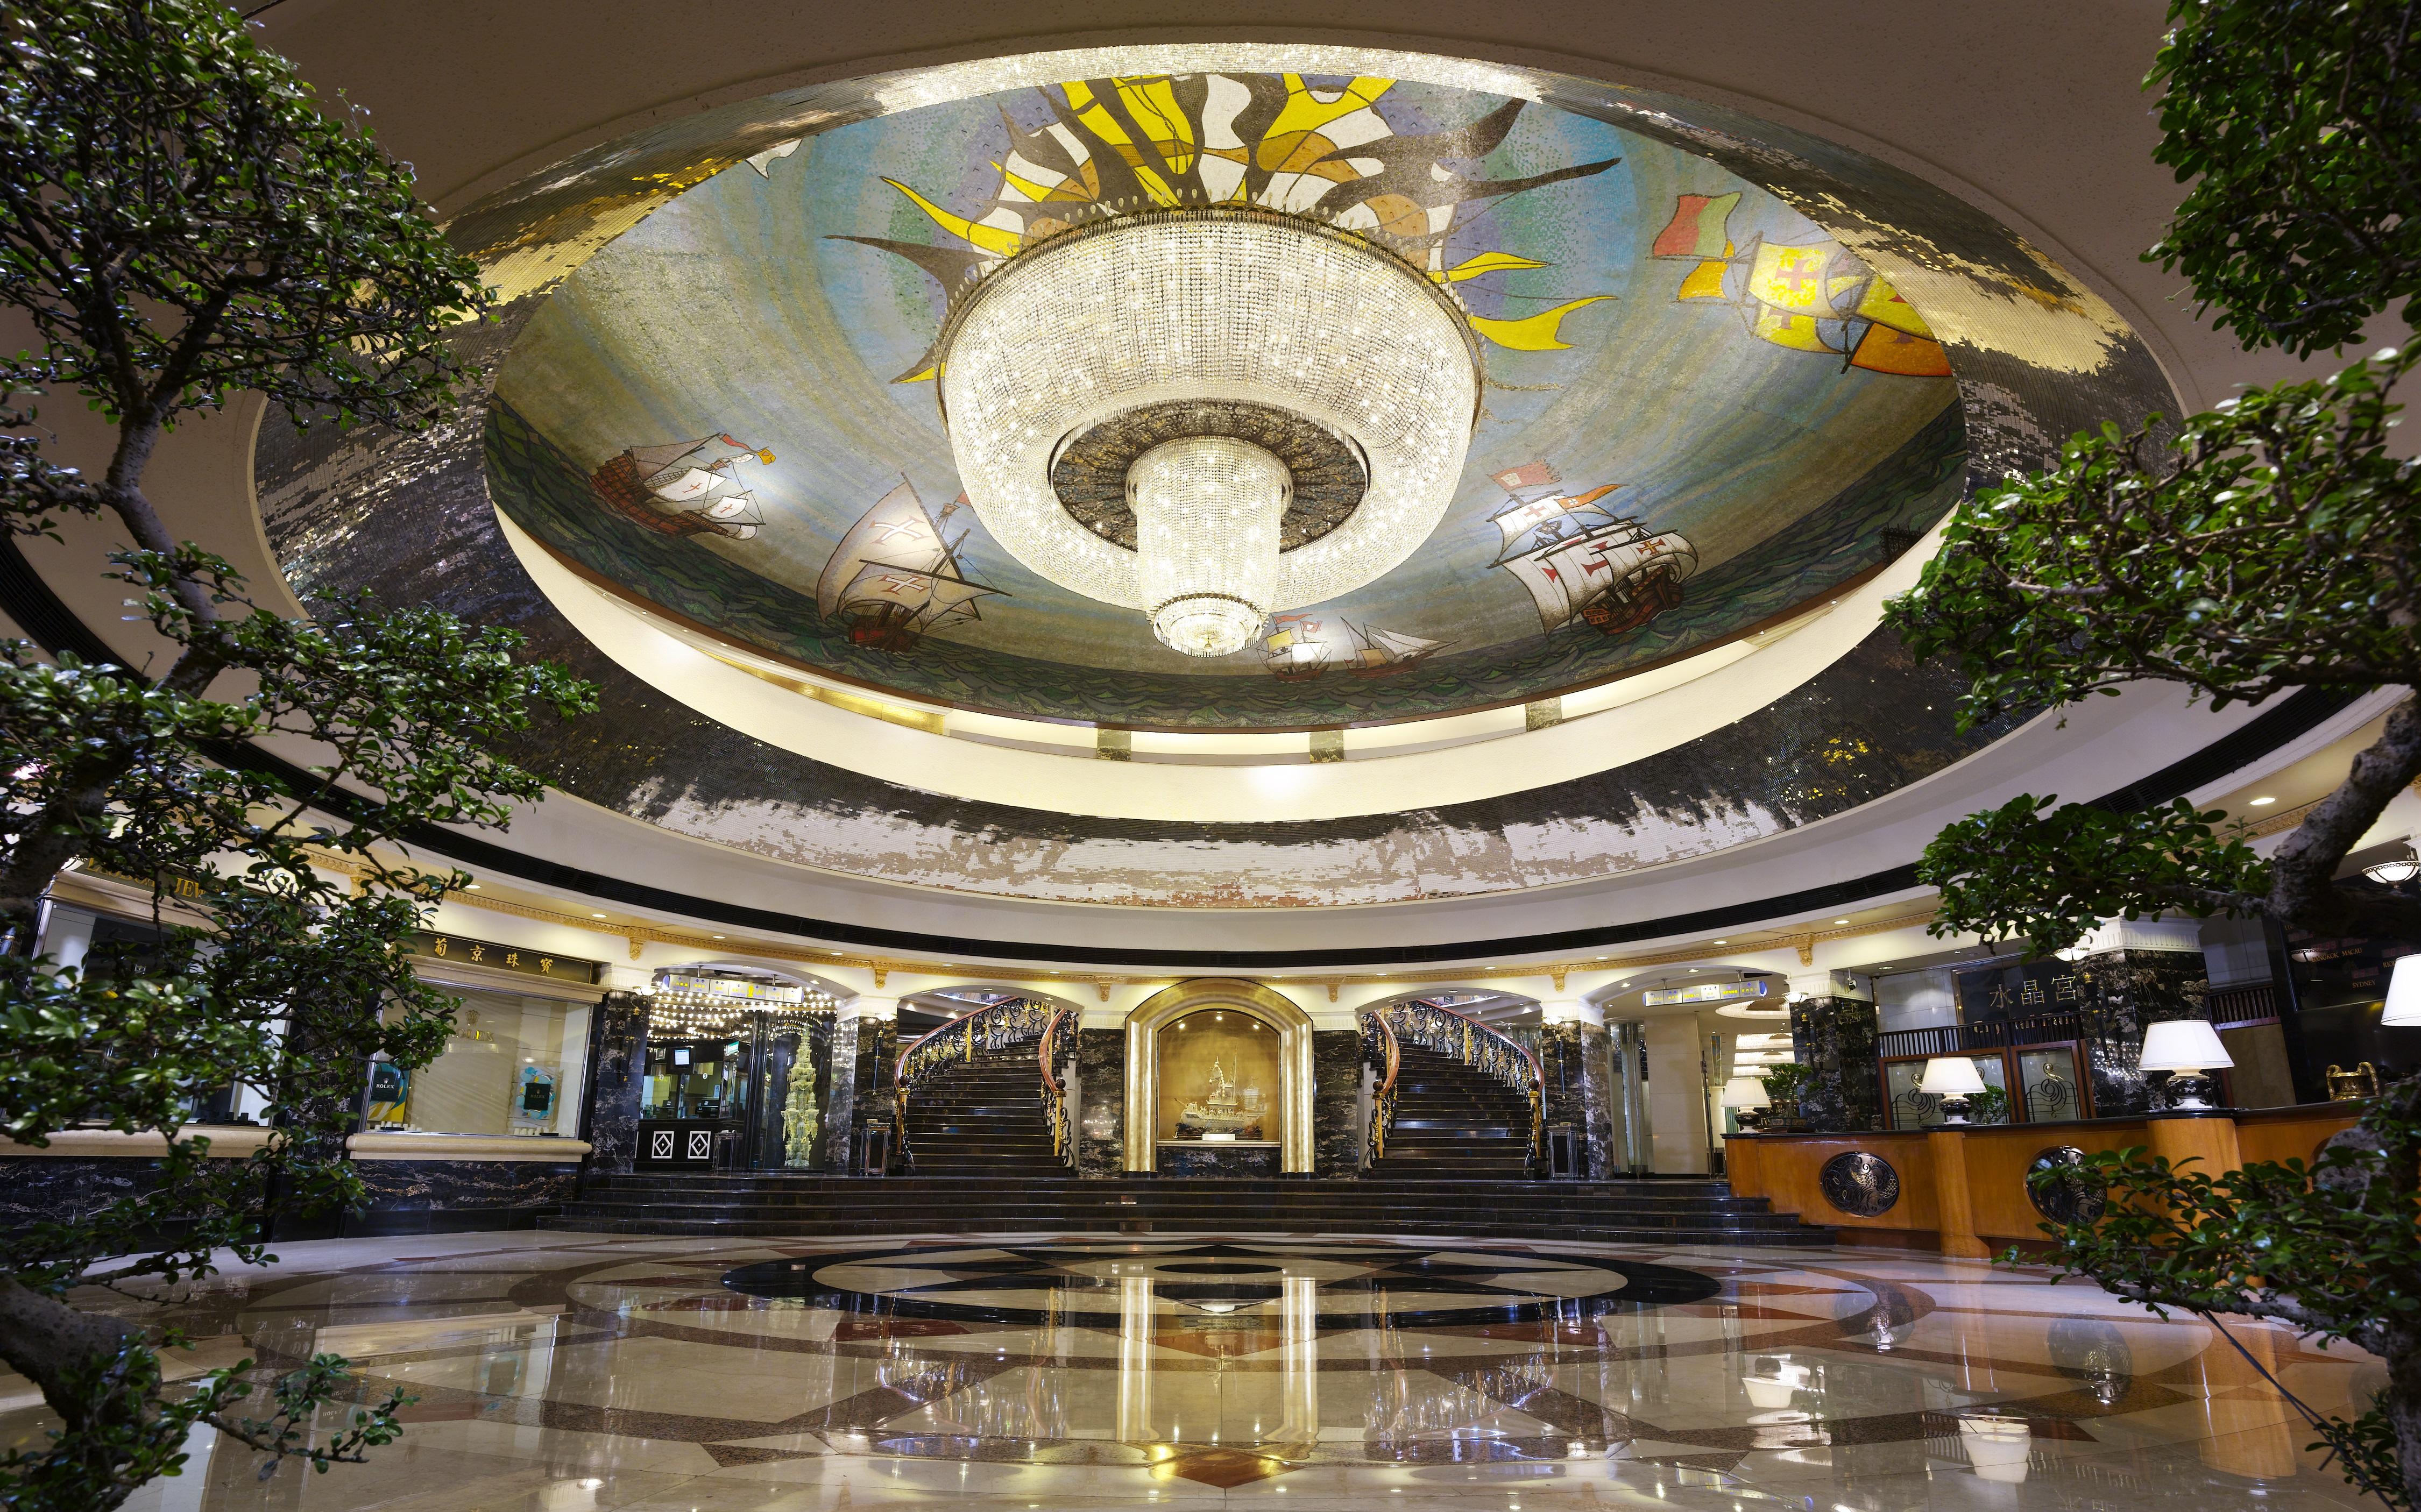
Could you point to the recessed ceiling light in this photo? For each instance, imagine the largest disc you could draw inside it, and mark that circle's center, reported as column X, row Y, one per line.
column 1722, row 941
column 471, row 887
column 597, row 915
column 1841, row 921
column 2260, row 802
column 718, row 937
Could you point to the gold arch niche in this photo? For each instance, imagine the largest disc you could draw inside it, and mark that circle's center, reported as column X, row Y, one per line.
column 1252, row 998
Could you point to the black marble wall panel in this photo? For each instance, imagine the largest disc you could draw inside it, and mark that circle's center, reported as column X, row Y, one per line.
column 1235, row 1161
column 878, row 1046
column 35, row 1189
column 40, row 1188
column 840, row 1099
column 1836, row 1039
column 617, row 1081
column 1102, row 1086
column 453, row 1185
column 1336, row 1134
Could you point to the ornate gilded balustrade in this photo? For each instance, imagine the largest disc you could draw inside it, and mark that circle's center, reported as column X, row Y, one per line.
column 1386, row 1058
column 997, row 1027
column 1058, row 1038
column 1465, row 1039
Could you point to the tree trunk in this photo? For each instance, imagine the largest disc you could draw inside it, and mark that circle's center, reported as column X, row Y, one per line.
column 2303, row 869
column 46, row 845
column 42, row 1338
column 2401, row 1401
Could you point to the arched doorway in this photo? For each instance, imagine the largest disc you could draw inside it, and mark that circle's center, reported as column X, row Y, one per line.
column 1196, row 1054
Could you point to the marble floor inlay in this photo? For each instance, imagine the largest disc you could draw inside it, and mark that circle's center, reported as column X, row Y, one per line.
column 566, row 1372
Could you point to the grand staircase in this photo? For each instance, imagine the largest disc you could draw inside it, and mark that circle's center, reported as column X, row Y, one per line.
column 983, row 1164
column 1454, row 1123
column 982, row 1119
column 1669, row 1211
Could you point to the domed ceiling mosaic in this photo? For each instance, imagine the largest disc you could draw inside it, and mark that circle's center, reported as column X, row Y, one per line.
column 1700, row 413
column 1706, row 405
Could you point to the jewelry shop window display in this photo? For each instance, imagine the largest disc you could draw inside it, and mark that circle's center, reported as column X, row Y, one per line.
column 736, row 1074
column 514, row 1066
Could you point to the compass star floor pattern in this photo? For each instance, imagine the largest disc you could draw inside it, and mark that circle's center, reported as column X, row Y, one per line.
column 572, row 1373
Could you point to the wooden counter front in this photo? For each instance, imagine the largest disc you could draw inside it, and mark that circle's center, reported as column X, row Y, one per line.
column 2292, row 1133
column 1996, row 1210
column 1788, row 1171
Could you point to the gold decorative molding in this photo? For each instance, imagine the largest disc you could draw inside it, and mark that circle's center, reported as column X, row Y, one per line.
column 2286, row 820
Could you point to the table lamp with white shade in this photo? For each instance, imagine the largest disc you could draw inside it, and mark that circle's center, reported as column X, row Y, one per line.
column 2185, row 1048
column 2403, row 1010
column 1954, row 1080
column 1745, row 1096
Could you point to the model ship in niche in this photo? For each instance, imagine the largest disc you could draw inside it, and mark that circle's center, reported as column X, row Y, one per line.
column 896, row 577
column 1581, row 560
column 1228, row 1113
column 684, row 489
column 1298, row 649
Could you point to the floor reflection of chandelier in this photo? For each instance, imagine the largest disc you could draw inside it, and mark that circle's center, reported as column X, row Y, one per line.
column 1208, row 413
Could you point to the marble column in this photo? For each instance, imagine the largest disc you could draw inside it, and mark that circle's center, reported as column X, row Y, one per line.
column 1576, row 1057
column 840, row 1098
column 1834, row 1032
column 1102, row 1091
column 1336, row 1134
column 878, row 1047
column 617, row 1081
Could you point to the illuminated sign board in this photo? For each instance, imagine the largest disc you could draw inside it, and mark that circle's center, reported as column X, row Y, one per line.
column 1706, row 993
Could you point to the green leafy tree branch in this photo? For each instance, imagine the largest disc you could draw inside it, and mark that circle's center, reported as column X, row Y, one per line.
column 183, row 221
column 2330, row 1250
column 2271, row 544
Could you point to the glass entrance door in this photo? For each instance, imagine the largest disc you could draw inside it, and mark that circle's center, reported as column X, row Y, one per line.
column 747, row 1095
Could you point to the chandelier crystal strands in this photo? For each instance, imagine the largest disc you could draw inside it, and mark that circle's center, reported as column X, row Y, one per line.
column 1131, row 318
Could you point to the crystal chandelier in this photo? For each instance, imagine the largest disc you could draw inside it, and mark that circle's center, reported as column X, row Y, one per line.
column 1208, row 413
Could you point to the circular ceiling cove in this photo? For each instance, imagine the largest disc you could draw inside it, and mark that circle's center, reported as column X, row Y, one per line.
column 1698, row 411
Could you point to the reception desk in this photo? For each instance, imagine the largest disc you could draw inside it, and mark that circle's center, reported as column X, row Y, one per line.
column 1962, row 1190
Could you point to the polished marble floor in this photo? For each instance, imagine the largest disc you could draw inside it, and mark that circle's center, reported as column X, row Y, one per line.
column 564, row 1372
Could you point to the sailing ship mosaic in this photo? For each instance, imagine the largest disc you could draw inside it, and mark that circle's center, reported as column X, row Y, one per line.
column 728, row 413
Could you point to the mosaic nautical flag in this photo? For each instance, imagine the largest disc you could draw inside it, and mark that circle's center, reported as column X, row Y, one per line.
column 1527, row 476
column 1817, row 298
column 1697, row 228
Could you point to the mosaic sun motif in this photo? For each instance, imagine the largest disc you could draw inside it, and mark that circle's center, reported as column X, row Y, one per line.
column 730, row 414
